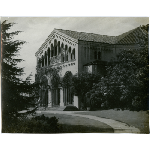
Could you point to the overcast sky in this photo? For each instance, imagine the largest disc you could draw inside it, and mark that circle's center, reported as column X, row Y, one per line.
column 36, row 30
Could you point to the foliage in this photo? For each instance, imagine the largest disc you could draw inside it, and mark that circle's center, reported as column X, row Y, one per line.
column 51, row 73
column 67, row 80
column 38, row 124
column 82, row 83
column 13, row 89
column 127, row 81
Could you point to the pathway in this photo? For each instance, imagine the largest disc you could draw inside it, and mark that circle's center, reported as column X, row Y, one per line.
column 118, row 127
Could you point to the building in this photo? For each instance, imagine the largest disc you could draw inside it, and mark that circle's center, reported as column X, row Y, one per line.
column 76, row 52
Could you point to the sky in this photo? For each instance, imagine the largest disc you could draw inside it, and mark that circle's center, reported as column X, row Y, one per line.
column 37, row 29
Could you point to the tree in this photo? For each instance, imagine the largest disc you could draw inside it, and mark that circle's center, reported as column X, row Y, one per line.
column 82, row 83
column 67, row 80
column 13, row 89
column 126, row 83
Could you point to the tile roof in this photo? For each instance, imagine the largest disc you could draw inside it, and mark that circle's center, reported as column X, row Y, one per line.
column 88, row 36
column 130, row 37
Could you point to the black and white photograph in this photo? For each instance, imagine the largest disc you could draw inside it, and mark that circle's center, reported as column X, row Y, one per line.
column 64, row 75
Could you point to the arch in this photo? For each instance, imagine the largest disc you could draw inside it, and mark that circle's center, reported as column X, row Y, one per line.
column 69, row 49
column 55, row 42
column 66, row 47
column 44, row 91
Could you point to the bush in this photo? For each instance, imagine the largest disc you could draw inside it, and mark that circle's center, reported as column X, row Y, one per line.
column 38, row 124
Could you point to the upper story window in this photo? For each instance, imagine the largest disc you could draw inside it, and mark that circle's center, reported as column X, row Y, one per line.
column 99, row 55
column 73, row 53
column 85, row 52
column 95, row 55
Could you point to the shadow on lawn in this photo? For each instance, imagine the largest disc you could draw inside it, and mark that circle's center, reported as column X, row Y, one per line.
column 66, row 128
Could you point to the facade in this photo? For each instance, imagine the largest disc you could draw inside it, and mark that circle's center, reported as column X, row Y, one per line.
column 76, row 52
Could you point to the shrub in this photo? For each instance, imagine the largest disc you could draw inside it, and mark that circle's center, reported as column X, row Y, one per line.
column 38, row 124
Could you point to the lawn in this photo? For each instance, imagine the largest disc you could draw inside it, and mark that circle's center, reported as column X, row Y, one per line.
column 139, row 119
column 71, row 124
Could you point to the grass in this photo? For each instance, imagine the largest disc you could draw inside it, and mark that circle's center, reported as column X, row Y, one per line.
column 139, row 119
column 71, row 124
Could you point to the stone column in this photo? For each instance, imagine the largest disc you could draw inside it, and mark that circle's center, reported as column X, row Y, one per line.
column 65, row 96
column 76, row 101
column 49, row 98
column 61, row 97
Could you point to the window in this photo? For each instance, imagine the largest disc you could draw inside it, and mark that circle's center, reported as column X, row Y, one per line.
column 73, row 53
column 55, row 50
column 85, row 52
column 95, row 55
column 99, row 55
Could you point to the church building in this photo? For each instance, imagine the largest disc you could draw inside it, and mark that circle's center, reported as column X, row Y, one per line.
column 77, row 52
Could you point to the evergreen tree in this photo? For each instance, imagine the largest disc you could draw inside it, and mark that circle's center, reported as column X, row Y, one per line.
column 13, row 89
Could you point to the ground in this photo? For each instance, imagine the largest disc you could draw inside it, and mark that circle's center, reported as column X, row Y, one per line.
column 139, row 119
column 71, row 124
column 79, row 122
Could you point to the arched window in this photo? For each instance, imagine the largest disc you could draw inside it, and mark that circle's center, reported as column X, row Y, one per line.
column 42, row 61
column 59, row 48
column 66, row 47
column 69, row 54
column 95, row 55
column 62, row 45
column 52, row 53
column 55, row 42
column 45, row 59
column 73, row 53
column 69, row 49
column 48, row 52
column 85, row 52
column 99, row 55
column 55, row 50
column 88, row 53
